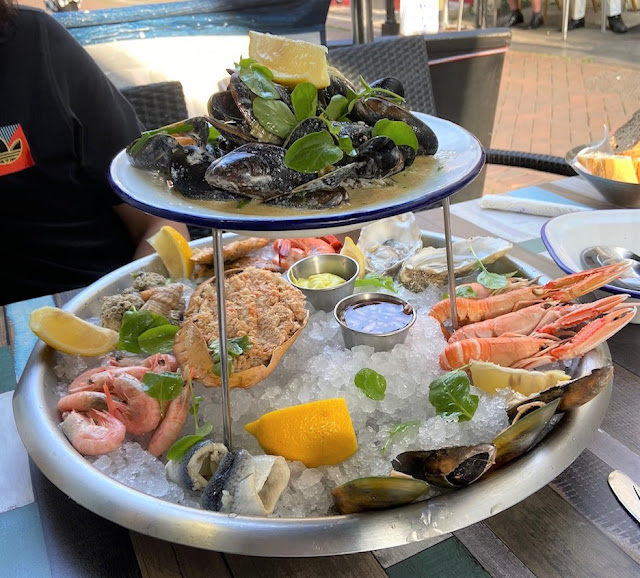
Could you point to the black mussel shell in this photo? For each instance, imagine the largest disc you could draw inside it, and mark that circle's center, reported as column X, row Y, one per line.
column 187, row 169
column 389, row 83
column 303, row 128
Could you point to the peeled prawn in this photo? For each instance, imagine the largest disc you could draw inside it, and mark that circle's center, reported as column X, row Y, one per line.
column 172, row 424
column 94, row 434
column 137, row 410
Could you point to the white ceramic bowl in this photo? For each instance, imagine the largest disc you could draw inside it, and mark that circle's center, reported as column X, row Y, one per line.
column 566, row 236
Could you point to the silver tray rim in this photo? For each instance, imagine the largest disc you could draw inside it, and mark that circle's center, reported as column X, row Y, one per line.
column 34, row 410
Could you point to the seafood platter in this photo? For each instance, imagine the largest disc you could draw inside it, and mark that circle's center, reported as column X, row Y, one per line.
column 335, row 449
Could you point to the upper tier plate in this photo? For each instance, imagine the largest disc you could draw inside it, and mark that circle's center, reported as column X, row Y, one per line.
column 459, row 159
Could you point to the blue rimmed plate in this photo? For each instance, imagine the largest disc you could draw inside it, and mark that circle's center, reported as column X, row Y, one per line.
column 567, row 236
column 429, row 180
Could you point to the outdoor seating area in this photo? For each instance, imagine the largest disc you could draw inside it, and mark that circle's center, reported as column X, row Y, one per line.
column 388, row 325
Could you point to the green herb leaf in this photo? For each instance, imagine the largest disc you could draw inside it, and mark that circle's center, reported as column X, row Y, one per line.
column 371, row 383
column 378, row 281
column 134, row 324
column 304, row 99
column 158, row 339
column 214, row 134
column 337, row 107
column 312, row 153
column 398, row 429
column 466, row 291
column 450, row 396
column 490, row 280
column 163, row 386
column 180, row 447
column 346, row 145
column 258, row 78
column 398, row 131
column 275, row 116
column 243, row 202
column 236, row 346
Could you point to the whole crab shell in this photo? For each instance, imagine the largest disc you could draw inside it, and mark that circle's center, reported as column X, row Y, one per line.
column 386, row 243
column 191, row 349
column 429, row 265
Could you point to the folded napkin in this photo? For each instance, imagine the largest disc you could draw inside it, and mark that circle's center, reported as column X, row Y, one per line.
column 532, row 201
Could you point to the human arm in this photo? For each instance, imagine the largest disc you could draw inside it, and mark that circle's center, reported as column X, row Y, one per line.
column 141, row 226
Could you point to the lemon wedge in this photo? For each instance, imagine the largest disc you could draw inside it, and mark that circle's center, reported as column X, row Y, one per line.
column 68, row 333
column 174, row 250
column 318, row 433
column 490, row 377
column 350, row 249
column 291, row 61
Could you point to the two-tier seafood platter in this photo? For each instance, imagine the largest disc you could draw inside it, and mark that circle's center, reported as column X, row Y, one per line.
column 334, row 449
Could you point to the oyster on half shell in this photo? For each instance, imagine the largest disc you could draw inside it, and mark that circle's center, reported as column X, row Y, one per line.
column 386, row 243
column 429, row 265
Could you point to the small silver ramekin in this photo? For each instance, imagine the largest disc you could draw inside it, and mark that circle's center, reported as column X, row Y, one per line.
column 341, row 265
column 379, row 341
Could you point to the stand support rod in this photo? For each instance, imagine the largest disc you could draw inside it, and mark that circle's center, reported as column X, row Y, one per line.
column 218, row 271
column 450, row 270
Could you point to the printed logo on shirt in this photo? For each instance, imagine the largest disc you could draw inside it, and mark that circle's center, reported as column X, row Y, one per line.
column 15, row 154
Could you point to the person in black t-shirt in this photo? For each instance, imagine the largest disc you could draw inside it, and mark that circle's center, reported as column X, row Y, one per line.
column 61, row 123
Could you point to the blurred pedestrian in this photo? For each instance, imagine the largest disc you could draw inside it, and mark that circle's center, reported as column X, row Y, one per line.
column 614, row 10
column 62, row 122
column 516, row 17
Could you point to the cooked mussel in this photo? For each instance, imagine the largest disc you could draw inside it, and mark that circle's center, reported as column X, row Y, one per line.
column 389, row 83
column 154, row 151
column 377, row 493
column 187, row 169
column 447, row 467
column 255, row 170
column 525, row 431
column 371, row 110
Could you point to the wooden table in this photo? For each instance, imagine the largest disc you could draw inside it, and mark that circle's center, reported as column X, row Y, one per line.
column 574, row 526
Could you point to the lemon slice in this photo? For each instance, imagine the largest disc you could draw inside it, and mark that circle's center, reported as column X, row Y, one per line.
column 350, row 249
column 490, row 377
column 68, row 333
column 174, row 250
column 291, row 61
column 318, row 433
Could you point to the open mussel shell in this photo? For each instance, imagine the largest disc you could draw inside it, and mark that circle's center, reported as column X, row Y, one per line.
column 447, row 467
column 377, row 493
column 524, row 432
column 572, row 393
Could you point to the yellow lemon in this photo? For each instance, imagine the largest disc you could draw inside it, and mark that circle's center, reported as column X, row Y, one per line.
column 68, row 333
column 318, row 433
column 350, row 249
column 490, row 377
column 174, row 250
column 291, row 61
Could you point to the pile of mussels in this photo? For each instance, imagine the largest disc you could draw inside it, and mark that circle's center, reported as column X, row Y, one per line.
column 299, row 148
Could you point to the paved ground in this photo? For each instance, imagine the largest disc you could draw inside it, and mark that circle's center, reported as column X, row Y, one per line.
column 554, row 95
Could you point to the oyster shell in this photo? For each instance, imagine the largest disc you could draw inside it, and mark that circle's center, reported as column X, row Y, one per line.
column 429, row 265
column 386, row 243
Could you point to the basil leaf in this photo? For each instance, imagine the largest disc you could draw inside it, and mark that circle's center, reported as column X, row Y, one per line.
column 304, row 99
column 180, row 447
column 398, row 429
column 466, row 291
column 258, row 79
column 134, row 324
column 337, row 107
column 312, row 153
column 214, row 134
column 236, row 346
column 377, row 280
column 371, row 383
column 449, row 395
column 163, row 386
column 398, row 131
column 492, row 280
column 204, row 429
column 275, row 116
column 158, row 339
column 346, row 145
